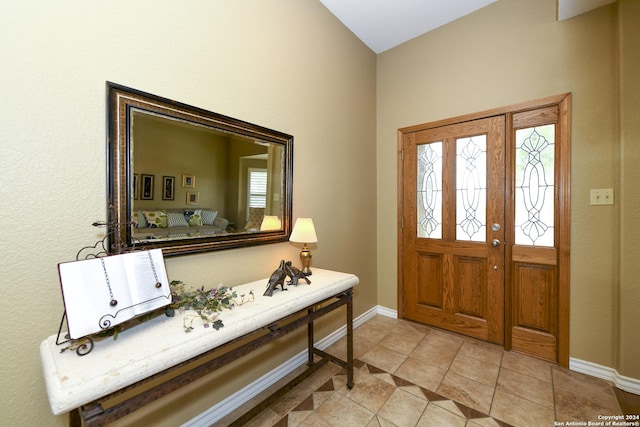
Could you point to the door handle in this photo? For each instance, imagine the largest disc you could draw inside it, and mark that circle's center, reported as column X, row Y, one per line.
column 495, row 243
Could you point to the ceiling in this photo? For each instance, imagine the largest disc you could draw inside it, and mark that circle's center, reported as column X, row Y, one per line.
column 383, row 24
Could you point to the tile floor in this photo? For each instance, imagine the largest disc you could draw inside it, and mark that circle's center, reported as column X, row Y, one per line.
column 408, row 374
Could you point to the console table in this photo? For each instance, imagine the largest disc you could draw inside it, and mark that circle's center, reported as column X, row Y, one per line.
column 153, row 349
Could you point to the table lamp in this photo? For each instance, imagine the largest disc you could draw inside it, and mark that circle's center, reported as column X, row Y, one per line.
column 270, row 222
column 304, row 232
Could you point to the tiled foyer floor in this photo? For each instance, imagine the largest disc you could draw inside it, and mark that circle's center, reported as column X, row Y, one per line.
column 412, row 375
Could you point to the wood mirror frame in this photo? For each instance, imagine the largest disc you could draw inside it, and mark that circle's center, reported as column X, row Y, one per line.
column 238, row 140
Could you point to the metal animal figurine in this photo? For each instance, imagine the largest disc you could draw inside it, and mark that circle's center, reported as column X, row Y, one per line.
column 295, row 274
column 277, row 278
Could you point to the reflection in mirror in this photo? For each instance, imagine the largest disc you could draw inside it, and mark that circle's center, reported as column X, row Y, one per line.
column 188, row 180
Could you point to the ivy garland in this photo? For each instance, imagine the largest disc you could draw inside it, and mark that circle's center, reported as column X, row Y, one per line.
column 207, row 303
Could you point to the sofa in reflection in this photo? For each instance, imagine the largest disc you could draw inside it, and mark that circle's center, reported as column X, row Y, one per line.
column 173, row 224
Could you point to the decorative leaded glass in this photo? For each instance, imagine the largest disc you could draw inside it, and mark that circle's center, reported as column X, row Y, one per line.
column 471, row 188
column 429, row 190
column 534, row 195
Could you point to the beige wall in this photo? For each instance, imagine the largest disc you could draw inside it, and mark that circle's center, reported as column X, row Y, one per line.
column 514, row 51
column 290, row 66
column 295, row 68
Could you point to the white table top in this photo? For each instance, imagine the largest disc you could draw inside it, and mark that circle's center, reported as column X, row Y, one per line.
column 158, row 344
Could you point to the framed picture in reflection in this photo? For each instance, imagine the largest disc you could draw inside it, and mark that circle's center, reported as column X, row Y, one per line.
column 146, row 188
column 168, row 187
column 188, row 181
column 193, row 197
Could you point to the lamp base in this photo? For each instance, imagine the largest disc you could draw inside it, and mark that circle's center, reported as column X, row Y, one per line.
column 305, row 260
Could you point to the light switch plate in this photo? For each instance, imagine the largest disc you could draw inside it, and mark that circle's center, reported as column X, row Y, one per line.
column 602, row 196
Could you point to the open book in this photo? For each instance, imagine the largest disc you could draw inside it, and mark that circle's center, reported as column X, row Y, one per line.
column 100, row 293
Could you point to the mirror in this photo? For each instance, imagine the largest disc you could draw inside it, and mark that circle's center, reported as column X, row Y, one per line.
column 188, row 180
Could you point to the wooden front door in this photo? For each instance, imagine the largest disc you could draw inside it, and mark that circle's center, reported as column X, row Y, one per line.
column 538, row 221
column 484, row 236
column 454, row 207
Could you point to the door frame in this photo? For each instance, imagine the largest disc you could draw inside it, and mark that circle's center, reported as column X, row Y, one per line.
column 563, row 101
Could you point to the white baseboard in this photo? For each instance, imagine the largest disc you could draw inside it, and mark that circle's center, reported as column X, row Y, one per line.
column 632, row 385
column 225, row 407
column 384, row 311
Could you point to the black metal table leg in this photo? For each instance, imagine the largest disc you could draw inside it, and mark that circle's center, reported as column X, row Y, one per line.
column 350, row 340
column 310, row 339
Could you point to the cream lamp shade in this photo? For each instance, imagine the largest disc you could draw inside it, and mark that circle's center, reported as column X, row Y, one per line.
column 303, row 231
column 270, row 222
